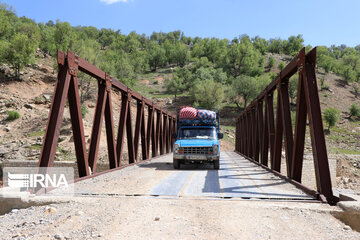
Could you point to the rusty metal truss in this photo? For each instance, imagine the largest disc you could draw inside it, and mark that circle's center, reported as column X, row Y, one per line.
column 155, row 135
column 259, row 134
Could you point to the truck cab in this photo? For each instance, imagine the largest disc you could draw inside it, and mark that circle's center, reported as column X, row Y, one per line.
column 197, row 141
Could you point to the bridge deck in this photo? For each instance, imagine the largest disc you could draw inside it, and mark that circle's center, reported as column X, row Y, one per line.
column 237, row 178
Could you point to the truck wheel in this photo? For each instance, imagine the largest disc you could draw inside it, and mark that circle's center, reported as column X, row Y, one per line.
column 176, row 163
column 217, row 164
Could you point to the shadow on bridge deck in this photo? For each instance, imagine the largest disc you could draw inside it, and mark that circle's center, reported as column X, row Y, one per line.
column 236, row 178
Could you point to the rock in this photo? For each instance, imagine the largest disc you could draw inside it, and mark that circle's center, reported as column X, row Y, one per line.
column 3, row 150
column 90, row 105
column 347, row 228
column 58, row 236
column 345, row 180
column 47, row 97
column 7, row 129
column 28, row 106
column 14, row 210
column 50, row 210
column 79, row 213
column 156, row 219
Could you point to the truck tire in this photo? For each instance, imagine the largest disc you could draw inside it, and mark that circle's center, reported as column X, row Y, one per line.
column 217, row 164
column 176, row 163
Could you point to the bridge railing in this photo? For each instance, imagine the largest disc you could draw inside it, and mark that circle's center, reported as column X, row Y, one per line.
column 155, row 136
column 259, row 134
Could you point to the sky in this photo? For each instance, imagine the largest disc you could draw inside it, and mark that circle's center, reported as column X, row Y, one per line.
column 321, row 22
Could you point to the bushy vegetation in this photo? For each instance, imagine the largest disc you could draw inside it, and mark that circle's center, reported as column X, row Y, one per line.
column 331, row 117
column 231, row 65
column 12, row 115
column 354, row 110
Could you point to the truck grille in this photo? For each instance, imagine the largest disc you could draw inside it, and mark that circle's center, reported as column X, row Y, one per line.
column 197, row 150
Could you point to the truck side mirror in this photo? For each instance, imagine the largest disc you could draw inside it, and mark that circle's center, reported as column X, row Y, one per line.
column 174, row 135
column 220, row 135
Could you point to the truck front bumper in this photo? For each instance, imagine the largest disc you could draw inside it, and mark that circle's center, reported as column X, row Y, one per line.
column 196, row 157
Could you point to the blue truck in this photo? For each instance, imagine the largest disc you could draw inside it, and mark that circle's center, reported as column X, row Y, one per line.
column 197, row 141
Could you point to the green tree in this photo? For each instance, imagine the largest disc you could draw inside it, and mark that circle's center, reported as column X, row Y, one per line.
column 243, row 58
column 185, row 75
column 293, row 45
column 275, row 45
column 106, row 37
column 244, row 89
column 331, row 117
column 349, row 74
column 63, row 36
column 156, row 56
column 260, row 44
column 47, row 41
column 208, row 94
column 18, row 52
column 118, row 65
column 175, row 86
column 8, row 21
column 181, row 54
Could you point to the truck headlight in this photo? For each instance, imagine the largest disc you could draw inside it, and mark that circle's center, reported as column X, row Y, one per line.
column 215, row 149
column 176, row 148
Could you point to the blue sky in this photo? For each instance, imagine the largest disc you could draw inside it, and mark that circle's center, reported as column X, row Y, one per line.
column 321, row 22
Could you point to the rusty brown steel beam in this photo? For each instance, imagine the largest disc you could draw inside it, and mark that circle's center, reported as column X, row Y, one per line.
column 286, row 120
column 256, row 140
column 260, row 123
column 322, row 170
column 300, row 130
column 265, row 137
column 67, row 87
column 129, row 132
column 78, row 128
column 143, row 132
column 278, row 136
column 97, row 123
column 110, row 135
column 55, row 115
column 259, row 133
column 121, row 128
column 138, row 126
column 271, row 126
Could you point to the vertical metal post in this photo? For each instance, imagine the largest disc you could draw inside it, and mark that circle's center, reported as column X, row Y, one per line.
column 322, row 170
column 278, row 135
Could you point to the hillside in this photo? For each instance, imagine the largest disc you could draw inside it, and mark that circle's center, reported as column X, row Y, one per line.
column 21, row 139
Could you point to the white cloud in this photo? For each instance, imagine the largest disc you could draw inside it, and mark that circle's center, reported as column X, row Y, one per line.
column 113, row 1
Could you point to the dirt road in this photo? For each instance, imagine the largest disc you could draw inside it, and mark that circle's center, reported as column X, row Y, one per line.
column 151, row 201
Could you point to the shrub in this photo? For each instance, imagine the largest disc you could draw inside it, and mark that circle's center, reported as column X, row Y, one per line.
column 84, row 111
column 354, row 110
column 331, row 117
column 281, row 66
column 12, row 115
column 271, row 62
column 323, row 85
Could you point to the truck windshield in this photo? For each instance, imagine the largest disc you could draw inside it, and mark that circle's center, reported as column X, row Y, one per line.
column 200, row 133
